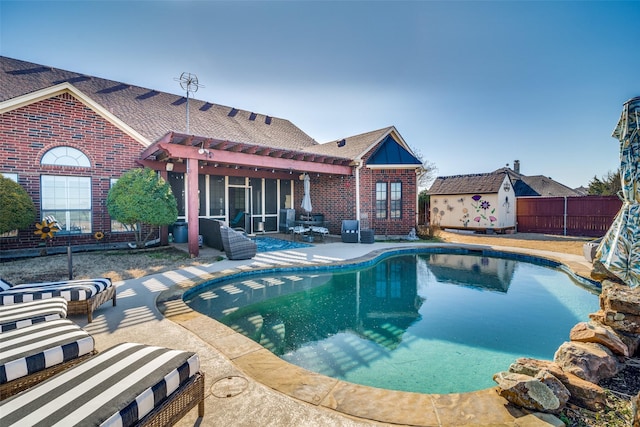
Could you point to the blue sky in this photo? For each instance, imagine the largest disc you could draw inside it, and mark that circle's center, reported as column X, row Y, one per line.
column 471, row 86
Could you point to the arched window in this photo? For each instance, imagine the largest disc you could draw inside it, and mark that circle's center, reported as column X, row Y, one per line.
column 67, row 198
column 65, row 156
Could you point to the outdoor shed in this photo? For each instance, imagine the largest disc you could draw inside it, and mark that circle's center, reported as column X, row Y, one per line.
column 474, row 202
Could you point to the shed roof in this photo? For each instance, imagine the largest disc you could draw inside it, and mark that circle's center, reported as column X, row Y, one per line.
column 483, row 183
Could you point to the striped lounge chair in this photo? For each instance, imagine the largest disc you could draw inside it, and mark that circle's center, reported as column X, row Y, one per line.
column 129, row 384
column 83, row 296
column 16, row 316
column 34, row 353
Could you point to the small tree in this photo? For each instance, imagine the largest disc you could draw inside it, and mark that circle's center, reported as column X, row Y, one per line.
column 17, row 211
column 428, row 173
column 609, row 185
column 141, row 197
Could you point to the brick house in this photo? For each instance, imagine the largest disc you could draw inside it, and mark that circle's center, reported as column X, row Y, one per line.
column 67, row 137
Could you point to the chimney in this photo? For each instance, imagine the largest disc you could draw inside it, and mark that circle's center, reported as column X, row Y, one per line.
column 516, row 166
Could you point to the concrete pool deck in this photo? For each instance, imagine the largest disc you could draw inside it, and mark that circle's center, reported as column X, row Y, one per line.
column 246, row 385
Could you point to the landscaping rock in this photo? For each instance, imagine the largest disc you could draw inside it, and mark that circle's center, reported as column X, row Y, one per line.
column 619, row 321
column 632, row 341
column 601, row 334
column 535, row 393
column 619, row 308
column 589, row 361
column 583, row 393
column 620, row 298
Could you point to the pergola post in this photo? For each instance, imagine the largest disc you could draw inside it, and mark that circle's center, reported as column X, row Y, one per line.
column 193, row 206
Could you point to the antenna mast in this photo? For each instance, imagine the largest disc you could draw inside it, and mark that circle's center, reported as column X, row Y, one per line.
column 189, row 83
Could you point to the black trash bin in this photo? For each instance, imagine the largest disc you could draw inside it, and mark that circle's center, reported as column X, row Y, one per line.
column 180, row 232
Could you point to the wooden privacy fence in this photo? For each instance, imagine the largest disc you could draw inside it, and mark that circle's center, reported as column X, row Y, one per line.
column 569, row 216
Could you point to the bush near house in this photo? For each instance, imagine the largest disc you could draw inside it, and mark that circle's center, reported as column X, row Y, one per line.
column 17, row 210
column 142, row 197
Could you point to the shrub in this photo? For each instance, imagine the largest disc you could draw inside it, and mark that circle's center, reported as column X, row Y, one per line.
column 16, row 207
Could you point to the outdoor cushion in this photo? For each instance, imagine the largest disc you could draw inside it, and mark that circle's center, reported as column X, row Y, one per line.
column 37, row 347
column 71, row 290
column 16, row 316
column 117, row 387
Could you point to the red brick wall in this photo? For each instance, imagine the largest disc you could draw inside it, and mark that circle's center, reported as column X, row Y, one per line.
column 335, row 198
column 389, row 227
column 30, row 131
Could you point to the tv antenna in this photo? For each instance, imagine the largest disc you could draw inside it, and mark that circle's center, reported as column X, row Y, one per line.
column 188, row 83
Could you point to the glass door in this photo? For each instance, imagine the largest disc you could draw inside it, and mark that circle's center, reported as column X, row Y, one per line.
column 240, row 208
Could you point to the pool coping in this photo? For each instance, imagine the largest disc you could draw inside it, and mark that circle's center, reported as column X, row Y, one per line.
column 364, row 403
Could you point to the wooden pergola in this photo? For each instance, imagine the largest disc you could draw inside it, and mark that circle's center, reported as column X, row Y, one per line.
column 195, row 155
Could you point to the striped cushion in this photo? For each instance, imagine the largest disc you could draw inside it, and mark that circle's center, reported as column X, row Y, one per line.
column 4, row 285
column 16, row 316
column 71, row 290
column 37, row 347
column 117, row 387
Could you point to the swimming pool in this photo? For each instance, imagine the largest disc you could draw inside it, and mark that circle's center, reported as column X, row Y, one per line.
column 423, row 322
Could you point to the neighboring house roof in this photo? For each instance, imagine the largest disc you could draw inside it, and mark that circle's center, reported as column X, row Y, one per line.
column 537, row 185
column 483, row 183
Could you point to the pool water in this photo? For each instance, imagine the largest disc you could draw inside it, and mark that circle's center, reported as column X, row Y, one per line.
column 428, row 323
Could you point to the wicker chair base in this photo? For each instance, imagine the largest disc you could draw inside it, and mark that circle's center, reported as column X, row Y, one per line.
column 178, row 404
column 88, row 306
column 19, row 384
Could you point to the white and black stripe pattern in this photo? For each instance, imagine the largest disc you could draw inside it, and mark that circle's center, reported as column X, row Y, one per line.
column 16, row 316
column 117, row 387
column 71, row 290
column 4, row 285
column 37, row 347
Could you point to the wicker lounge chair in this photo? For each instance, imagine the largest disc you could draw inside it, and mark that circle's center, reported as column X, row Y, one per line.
column 210, row 230
column 34, row 353
column 16, row 316
column 83, row 296
column 350, row 231
column 129, row 384
column 237, row 245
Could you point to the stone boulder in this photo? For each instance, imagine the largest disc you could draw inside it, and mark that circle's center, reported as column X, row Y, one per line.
column 543, row 392
column 601, row 334
column 619, row 321
column 632, row 341
column 590, row 361
column 583, row 393
column 619, row 307
column 620, row 298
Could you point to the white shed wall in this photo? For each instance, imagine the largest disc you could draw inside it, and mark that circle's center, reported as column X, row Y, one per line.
column 475, row 211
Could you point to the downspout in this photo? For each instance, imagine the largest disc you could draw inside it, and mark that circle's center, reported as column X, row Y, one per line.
column 358, row 167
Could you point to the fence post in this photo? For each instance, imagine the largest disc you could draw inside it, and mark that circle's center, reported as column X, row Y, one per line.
column 564, row 226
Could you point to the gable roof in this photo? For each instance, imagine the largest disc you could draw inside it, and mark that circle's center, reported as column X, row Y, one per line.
column 151, row 113
column 537, row 185
column 389, row 152
column 354, row 147
column 483, row 183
